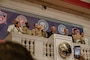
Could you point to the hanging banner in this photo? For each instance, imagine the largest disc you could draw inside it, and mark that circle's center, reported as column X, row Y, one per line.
column 82, row 3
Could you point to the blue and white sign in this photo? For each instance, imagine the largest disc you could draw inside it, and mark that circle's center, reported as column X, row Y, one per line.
column 61, row 28
column 44, row 24
column 8, row 16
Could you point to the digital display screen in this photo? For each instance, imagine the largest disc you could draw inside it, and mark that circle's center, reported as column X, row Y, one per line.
column 77, row 51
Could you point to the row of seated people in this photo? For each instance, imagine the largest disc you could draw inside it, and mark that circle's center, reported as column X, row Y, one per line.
column 38, row 31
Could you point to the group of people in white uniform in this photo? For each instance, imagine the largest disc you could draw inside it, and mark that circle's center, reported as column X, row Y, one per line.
column 38, row 30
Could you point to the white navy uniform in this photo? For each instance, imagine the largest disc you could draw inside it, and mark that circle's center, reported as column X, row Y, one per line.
column 14, row 29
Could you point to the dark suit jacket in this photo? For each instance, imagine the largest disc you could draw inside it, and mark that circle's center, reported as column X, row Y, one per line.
column 49, row 34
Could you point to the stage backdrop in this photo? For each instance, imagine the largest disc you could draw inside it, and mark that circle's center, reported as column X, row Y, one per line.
column 7, row 16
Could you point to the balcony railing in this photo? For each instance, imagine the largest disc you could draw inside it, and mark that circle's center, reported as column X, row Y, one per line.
column 46, row 48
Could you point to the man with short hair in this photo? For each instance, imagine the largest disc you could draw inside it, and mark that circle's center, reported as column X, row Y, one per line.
column 14, row 51
column 53, row 31
column 16, row 27
column 76, row 36
column 66, row 32
column 26, row 29
column 84, row 39
column 35, row 29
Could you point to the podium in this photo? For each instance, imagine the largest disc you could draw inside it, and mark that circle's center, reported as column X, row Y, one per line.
column 47, row 48
column 59, row 39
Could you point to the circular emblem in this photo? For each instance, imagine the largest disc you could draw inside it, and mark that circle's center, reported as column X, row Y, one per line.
column 22, row 19
column 3, row 17
column 44, row 24
column 65, row 50
column 61, row 28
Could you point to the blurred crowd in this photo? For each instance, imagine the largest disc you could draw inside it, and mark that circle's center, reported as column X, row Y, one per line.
column 38, row 30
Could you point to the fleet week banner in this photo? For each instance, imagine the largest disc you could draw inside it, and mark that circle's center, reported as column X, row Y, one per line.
column 7, row 16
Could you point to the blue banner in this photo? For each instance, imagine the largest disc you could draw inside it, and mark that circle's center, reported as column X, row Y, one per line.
column 7, row 16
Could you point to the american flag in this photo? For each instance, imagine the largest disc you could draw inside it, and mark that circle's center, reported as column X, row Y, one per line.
column 82, row 3
column 87, row 1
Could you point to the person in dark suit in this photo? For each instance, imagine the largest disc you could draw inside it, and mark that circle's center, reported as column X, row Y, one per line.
column 66, row 32
column 53, row 31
